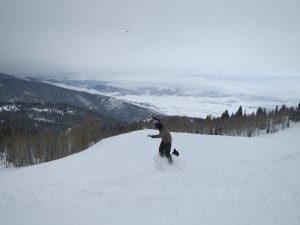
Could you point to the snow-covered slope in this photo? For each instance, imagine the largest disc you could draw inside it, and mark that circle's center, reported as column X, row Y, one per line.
column 216, row 180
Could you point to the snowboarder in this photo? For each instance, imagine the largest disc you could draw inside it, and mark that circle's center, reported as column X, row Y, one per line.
column 166, row 139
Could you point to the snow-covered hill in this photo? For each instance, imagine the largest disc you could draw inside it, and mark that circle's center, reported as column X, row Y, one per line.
column 216, row 180
column 14, row 89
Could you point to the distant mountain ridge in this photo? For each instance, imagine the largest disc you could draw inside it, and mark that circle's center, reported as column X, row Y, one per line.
column 107, row 87
column 13, row 89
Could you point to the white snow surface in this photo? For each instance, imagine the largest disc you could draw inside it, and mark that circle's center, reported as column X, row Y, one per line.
column 216, row 180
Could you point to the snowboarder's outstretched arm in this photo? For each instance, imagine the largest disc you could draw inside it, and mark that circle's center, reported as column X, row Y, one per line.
column 154, row 136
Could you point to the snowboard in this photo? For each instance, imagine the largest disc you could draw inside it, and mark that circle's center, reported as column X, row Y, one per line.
column 162, row 163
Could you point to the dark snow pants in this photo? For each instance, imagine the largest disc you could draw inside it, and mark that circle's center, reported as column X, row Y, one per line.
column 165, row 151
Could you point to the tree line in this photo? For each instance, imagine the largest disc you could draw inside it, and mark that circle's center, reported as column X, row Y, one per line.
column 237, row 124
column 20, row 148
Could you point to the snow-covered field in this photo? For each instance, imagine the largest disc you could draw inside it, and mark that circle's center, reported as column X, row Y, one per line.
column 216, row 180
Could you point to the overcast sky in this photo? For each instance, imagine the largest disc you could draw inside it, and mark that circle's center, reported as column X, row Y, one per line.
column 150, row 37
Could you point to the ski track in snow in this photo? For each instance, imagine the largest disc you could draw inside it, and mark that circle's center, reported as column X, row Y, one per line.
column 216, row 180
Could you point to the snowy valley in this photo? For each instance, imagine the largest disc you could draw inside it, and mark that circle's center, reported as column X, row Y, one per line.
column 193, row 95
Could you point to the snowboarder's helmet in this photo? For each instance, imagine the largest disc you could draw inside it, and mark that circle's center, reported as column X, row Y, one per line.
column 158, row 125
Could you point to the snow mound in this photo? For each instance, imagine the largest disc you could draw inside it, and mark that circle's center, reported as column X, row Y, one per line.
column 216, row 180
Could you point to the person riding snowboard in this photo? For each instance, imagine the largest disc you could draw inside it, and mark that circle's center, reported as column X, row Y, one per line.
column 166, row 139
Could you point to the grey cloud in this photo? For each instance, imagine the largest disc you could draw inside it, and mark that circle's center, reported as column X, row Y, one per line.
column 97, row 38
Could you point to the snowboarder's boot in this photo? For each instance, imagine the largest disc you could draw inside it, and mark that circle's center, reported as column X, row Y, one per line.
column 175, row 152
